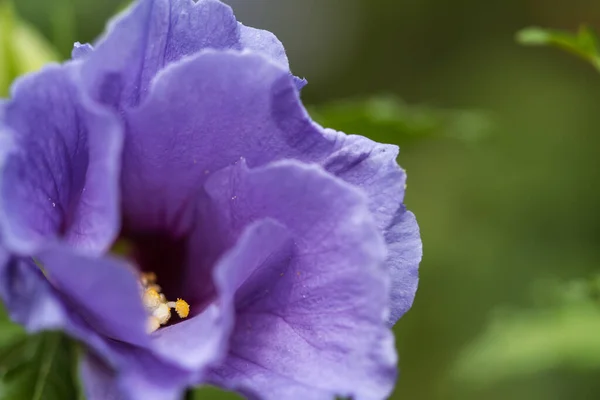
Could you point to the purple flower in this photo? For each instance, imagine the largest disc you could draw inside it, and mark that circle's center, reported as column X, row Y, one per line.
column 181, row 135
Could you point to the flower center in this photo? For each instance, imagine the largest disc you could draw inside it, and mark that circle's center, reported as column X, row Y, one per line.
column 154, row 300
column 157, row 305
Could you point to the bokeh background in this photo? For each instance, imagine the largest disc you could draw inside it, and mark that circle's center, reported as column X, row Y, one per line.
column 509, row 218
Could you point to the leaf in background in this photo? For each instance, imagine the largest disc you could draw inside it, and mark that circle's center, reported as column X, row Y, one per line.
column 527, row 342
column 9, row 332
column 63, row 21
column 387, row 118
column 212, row 393
column 124, row 5
column 583, row 44
column 22, row 48
column 38, row 367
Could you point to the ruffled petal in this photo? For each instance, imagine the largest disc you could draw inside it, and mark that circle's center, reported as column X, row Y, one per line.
column 311, row 325
column 33, row 302
column 191, row 126
column 27, row 296
column 155, row 33
column 250, row 110
column 304, row 273
column 101, row 382
column 203, row 339
column 100, row 320
column 263, row 42
column 372, row 167
column 106, row 295
column 104, row 291
column 60, row 175
column 81, row 50
column 404, row 255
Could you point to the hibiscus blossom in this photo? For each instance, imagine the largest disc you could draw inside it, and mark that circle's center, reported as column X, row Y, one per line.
column 252, row 248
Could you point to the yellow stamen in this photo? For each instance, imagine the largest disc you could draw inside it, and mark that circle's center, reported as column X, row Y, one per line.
column 148, row 278
column 162, row 313
column 152, row 324
column 155, row 287
column 151, row 299
column 157, row 305
column 182, row 308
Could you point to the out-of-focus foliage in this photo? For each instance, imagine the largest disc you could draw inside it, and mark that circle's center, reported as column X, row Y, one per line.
column 523, row 342
column 583, row 44
column 212, row 393
column 387, row 117
column 124, row 5
column 22, row 49
column 38, row 367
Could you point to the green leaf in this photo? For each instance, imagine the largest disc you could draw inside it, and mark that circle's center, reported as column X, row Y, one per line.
column 528, row 342
column 584, row 43
column 39, row 367
column 9, row 332
column 6, row 65
column 22, row 48
column 212, row 393
column 63, row 21
column 124, row 5
column 387, row 118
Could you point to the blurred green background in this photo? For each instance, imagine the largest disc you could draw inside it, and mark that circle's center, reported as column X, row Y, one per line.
column 509, row 217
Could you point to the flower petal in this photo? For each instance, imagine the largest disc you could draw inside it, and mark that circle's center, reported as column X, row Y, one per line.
column 27, row 296
column 155, row 33
column 199, row 341
column 191, row 126
column 372, row 167
column 263, row 42
column 251, row 110
column 203, row 339
column 267, row 44
column 104, row 291
column 33, row 301
column 60, row 177
column 313, row 326
column 101, row 382
column 405, row 252
column 81, row 50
